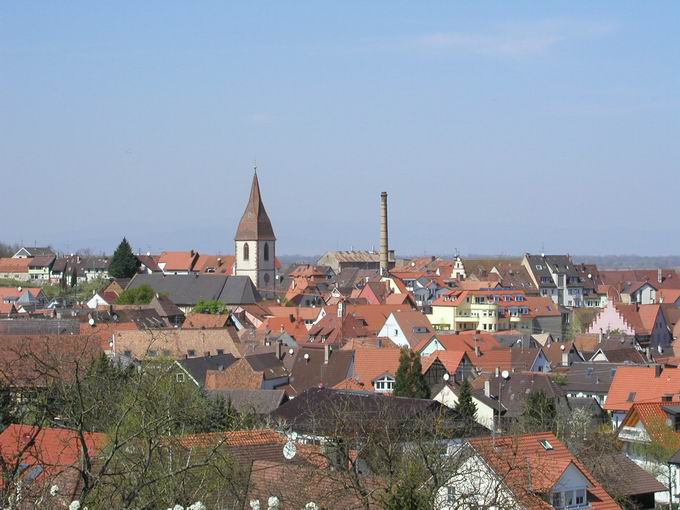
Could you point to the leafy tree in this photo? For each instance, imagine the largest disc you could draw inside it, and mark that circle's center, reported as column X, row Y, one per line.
column 409, row 380
column 466, row 406
column 142, row 295
column 74, row 278
column 124, row 263
column 211, row 306
column 540, row 413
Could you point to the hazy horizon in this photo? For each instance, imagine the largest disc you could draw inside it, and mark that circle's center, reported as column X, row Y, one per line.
column 510, row 128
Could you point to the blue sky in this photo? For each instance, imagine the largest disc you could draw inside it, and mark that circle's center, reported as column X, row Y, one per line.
column 499, row 129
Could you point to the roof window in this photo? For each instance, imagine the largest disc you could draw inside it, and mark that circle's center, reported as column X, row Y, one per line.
column 546, row 444
column 631, row 396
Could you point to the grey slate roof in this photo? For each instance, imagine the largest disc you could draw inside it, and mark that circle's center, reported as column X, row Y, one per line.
column 187, row 290
column 590, row 377
column 198, row 367
column 252, row 401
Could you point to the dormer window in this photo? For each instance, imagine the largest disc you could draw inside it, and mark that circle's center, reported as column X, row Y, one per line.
column 384, row 384
column 573, row 498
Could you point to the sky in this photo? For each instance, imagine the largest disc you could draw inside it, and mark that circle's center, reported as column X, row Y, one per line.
column 496, row 128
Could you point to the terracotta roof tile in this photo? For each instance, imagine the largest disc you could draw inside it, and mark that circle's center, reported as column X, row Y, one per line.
column 642, row 384
column 530, row 470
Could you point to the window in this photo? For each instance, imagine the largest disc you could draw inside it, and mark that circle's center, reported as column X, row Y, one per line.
column 246, row 252
column 450, row 495
column 220, row 352
column 127, row 354
column 557, row 499
column 631, row 396
column 385, row 383
column 266, row 251
column 546, row 444
column 667, row 398
column 266, row 278
column 179, row 377
column 580, row 497
column 191, row 353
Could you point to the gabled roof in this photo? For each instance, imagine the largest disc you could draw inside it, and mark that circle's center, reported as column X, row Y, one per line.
column 255, row 224
column 642, row 384
column 197, row 367
column 654, row 416
column 370, row 364
column 10, row 265
column 178, row 260
column 311, row 372
column 187, row 290
column 252, row 401
column 449, row 359
column 530, row 470
column 52, row 452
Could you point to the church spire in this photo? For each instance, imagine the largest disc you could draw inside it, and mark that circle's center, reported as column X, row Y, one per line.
column 255, row 224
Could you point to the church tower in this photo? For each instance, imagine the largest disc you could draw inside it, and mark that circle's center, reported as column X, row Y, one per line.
column 256, row 243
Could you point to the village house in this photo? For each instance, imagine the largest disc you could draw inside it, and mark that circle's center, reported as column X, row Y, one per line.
column 646, row 323
column 633, row 384
column 527, row 471
column 556, row 277
column 650, row 433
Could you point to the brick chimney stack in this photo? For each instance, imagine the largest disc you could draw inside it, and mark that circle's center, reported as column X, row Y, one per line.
column 384, row 245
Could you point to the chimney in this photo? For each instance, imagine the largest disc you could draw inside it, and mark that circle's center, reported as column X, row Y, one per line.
column 659, row 276
column 326, row 353
column 487, row 388
column 384, row 253
column 279, row 349
column 657, row 370
column 341, row 309
column 599, row 337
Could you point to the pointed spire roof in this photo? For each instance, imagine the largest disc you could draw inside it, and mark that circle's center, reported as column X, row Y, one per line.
column 255, row 224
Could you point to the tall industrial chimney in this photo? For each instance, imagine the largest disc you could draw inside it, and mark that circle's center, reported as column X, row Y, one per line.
column 384, row 254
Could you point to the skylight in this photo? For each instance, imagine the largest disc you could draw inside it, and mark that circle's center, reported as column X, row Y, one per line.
column 546, row 444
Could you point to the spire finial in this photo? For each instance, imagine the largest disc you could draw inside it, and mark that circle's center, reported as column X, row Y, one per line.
column 255, row 166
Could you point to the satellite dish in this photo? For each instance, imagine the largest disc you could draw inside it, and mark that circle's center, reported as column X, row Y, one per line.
column 289, row 450
column 293, row 436
column 18, row 289
column 91, row 321
column 291, row 351
column 446, row 376
column 505, row 375
column 306, row 356
column 562, row 347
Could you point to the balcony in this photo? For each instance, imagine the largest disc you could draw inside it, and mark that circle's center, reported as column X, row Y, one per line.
column 633, row 434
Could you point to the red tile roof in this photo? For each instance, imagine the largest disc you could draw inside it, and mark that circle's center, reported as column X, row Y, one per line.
column 178, row 260
column 55, row 450
column 529, row 470
column 370, row 364
column 641, row 384
column 10, row 265
column 450, row 359
column 215, row 264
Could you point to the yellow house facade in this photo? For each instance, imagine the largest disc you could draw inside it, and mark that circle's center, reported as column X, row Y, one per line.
column 481, row 310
